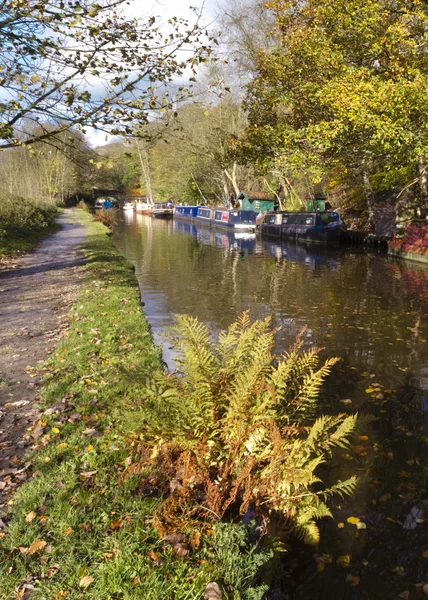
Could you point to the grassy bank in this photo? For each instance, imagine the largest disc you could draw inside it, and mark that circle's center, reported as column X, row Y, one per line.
column 79, row 528
column 23, row 224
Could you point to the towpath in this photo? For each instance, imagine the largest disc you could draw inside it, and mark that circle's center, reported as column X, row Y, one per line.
column 36, row 293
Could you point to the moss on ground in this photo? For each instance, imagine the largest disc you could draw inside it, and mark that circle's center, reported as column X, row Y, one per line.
column 76, row 528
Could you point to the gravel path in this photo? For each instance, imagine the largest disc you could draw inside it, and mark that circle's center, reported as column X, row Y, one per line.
column 35, row 298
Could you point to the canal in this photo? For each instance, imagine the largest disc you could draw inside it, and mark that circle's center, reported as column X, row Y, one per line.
column 367, row 309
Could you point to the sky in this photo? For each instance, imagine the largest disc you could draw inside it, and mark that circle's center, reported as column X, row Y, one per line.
column 166, row 9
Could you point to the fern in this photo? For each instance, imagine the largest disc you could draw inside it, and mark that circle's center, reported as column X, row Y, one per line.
column 241, row 422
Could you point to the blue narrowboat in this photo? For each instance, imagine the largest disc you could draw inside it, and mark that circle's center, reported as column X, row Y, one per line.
column 205, row 215
column 323, row 227
column 238, row 220
column 185, row 212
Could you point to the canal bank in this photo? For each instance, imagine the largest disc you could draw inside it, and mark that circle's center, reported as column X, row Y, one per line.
column 81, row 524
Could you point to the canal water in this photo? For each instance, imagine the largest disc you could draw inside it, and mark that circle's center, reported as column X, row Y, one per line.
column 367, row 309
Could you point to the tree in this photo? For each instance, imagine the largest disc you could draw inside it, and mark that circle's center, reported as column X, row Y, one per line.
column 342, row 90
column 77, row 63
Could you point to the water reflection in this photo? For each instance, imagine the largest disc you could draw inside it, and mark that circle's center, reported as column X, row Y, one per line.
column 366, row 309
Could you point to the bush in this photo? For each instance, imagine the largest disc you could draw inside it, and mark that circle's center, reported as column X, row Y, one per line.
column 20, row 217
column 106, row 217
column 236, row 427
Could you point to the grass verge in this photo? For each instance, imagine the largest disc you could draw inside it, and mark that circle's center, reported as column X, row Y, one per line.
column 76, row 529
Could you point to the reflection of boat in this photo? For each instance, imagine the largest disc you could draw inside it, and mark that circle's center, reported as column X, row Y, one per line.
column 314, row 258
column 306, row 226
column 185, row 227
column 162, row 210
column 128, row 205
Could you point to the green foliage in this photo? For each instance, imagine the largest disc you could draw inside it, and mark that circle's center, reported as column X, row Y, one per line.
column 342, row 86
column 241, row 424
column 23, row 223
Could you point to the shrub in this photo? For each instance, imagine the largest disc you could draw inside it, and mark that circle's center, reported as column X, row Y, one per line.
column 83, row 206
column 106, row 217
column 236, row 426
column 19, row 216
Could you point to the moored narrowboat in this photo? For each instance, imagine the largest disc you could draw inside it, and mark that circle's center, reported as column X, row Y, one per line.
column 205, row 215
column 185, row 212
column 142, row 207
column 162, row 210
column 240, row 220
column 321, row 227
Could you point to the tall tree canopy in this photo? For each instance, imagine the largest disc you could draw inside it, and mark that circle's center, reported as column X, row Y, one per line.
column 86, row 63
column 343, row 87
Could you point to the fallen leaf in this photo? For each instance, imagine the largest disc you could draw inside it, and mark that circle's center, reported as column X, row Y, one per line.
column 36, row 546
column 353, row 520
column 31, row 515
column 425, row 553
column 425, row 589
column 361, row 525
column 181, row 549
column 196, row 540
column 353, row 579
column 86, row 581
column 213, row 591
column 117, row 524
column 153, row 555
column 68, row 531
column 404, row 595
column 341, row 525
column 344, row 560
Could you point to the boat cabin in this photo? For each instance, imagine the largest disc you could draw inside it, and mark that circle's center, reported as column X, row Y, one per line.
column 309, row 226
column 185, row 212
column 257, row 202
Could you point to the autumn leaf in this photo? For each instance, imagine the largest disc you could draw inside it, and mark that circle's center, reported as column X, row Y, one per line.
column 36, row 546
column 117, row 524
column 196, row 540
column 68, row 531
column 353, row 520
column 153, row 555
column 86, row 581
column 344, row 560
column 353, row 579
column 31, row 515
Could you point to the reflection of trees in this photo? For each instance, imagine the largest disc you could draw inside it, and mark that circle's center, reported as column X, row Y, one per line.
column 352, row 304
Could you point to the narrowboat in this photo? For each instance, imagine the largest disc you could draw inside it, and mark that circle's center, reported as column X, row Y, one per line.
column 127, row 205
column 321, row 227
column 238, row 220
column 143, row 208
column 162, row 210
column 185, row 212
column 205, row 215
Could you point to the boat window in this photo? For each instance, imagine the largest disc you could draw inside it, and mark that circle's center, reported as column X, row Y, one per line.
column 271, row 219
column 309, row 220
column 218, row 214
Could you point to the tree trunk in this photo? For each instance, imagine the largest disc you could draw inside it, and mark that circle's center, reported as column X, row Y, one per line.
column 423, row 186
column 145, row 167
column 370, row 197
column 232, row 179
